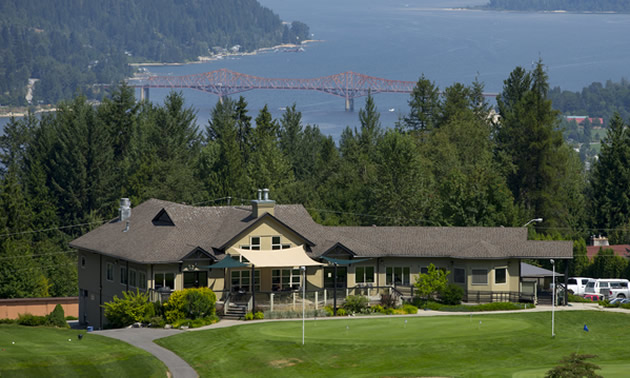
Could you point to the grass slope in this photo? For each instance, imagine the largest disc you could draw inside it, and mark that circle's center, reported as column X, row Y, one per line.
column 478, row 345
column 46, row 352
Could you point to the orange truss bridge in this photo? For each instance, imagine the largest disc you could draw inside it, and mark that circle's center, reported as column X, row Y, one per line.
column 223, row 82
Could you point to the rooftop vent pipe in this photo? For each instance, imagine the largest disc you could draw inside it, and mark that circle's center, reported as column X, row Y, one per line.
column 125, row 209
column 266, row 194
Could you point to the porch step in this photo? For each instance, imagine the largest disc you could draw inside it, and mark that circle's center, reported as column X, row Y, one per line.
column 235, row 311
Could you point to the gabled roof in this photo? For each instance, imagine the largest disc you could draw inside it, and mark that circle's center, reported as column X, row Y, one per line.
column 622, row 250
column 212, row 229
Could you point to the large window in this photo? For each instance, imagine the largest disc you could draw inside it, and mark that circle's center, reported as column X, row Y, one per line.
column 164, row 281
column 479, row 277
column 241, row 280
column 195, row 279
column 124, row 279
column 285, row 279
column 133, row 278
column 142, row 280
column 397, row 275
column 109, row 273
column 500, row 275
column 459, row 275
column 364, row 274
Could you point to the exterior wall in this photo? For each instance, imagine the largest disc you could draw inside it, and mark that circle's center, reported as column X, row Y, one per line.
column 12, row 308
column 415, row 264
column 266, row 231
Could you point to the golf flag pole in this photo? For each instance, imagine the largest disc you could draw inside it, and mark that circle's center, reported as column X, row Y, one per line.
column 303, row 268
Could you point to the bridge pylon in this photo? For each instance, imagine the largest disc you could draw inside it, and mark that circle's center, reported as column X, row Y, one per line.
column 349, row 104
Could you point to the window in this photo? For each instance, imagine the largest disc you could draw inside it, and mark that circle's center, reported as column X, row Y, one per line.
column 254, row 244
column 109, row 274
column 459, row 275
column 285, row 279
column 142, row 280
column 83, row 262
column 124, row 279
column 195, row 279
column 132, row 278
column 240, row 280
column 275, row 242
column 479, row 277
column 364, row 274
column 165, row 281
column 424, row 270
column 500, row 275
column 397, row 275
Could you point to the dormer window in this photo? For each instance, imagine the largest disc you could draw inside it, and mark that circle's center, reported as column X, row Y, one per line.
column 163, row 219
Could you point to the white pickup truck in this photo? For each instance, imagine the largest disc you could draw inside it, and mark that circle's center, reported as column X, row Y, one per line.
column 609, row 287
column 576, row 285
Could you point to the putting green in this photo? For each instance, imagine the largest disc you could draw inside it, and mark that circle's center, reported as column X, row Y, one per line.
column 517, row 344
column 50, row 352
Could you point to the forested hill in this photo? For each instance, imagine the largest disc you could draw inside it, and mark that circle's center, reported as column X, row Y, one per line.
column 621, row 6
column 72, row 44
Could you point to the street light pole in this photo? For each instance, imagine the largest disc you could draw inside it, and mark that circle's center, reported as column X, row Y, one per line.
column 553, row 297
column 537, row 220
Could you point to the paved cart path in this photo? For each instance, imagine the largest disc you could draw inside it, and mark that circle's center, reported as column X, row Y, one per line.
column 143, row 339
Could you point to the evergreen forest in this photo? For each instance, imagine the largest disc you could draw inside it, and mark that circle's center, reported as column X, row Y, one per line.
column 445, row 163
column 620, row 6
column 74, row 46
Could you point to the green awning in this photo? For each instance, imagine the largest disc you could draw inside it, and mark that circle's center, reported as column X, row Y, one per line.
column 227, row 262
column 343, row 262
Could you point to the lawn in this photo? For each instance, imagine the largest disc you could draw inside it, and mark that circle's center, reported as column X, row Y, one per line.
column 478, row 345
column 46, row 352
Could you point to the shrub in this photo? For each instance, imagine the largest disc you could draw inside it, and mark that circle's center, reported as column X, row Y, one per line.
column 200, row 302
column 355, row 303
column 378, row 308
column 410, row 309
column 329, row 310
column 157, row 322
column 388, row 300
column 70, row 317
column 190, row 303
column 577, row 298
column 574, row 365
column 132, row 308
column 341, row 312
column 249, row 316
column 31, row 320
column 259, row 315
column 452, row 294
column 390, row 311
column 8, row 321
column 56, row 318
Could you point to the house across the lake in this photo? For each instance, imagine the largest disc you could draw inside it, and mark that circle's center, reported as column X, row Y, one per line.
column 160, row 246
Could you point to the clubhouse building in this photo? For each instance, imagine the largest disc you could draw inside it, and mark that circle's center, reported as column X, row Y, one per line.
column 269, row 249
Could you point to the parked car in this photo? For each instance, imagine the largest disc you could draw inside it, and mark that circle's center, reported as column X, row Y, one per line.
column 619, row 301
column 609, row 287
column 576, row 285
column 594, row 297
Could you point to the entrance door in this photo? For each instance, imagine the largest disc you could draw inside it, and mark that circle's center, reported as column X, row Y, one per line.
column 195, row 279
column 329, row 279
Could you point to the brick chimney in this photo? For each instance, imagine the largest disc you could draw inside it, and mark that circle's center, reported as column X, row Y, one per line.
column 263, row 204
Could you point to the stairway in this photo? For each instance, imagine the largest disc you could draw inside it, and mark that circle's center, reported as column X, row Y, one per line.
column 235, row 311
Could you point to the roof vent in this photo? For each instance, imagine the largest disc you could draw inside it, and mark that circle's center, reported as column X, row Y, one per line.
column 125, row 209
column 263, row 204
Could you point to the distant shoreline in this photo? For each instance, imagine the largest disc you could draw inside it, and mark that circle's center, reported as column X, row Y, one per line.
column 22, row 111
column 211, row 58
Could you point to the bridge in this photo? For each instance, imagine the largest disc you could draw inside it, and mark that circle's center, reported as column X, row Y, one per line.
column 223, row 82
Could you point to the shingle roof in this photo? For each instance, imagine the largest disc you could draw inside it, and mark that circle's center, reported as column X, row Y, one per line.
column 211, row 227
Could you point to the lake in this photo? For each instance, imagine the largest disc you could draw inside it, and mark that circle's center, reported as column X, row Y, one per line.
column 400, row 40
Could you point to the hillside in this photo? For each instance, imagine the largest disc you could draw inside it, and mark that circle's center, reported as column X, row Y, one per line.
column 71, row 45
